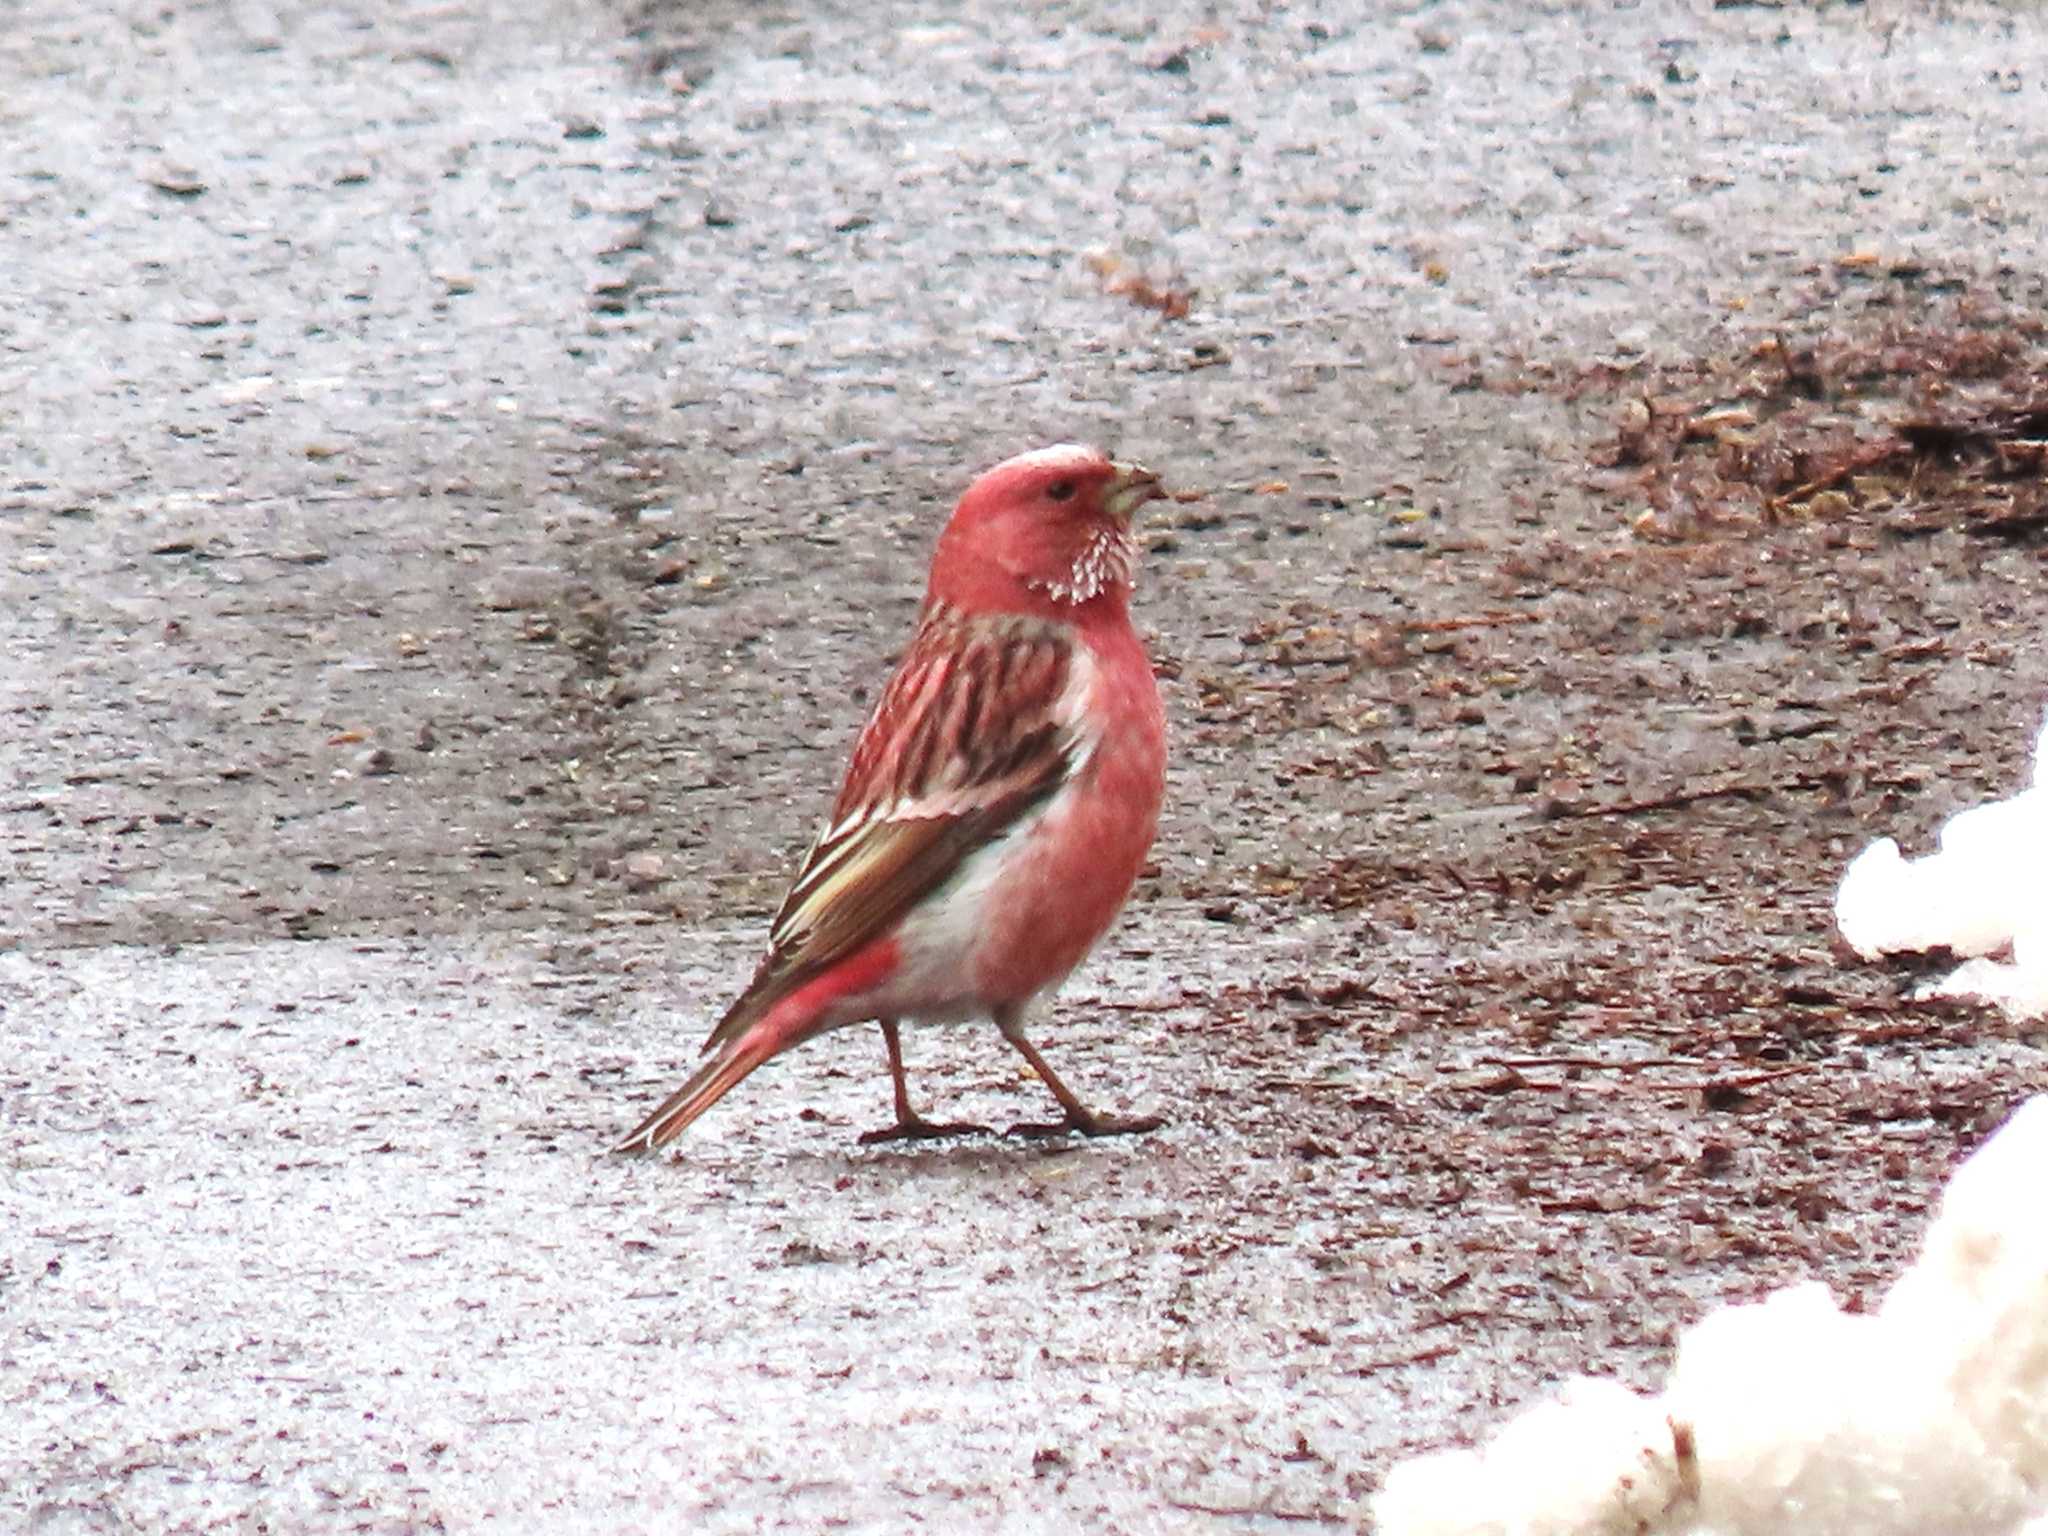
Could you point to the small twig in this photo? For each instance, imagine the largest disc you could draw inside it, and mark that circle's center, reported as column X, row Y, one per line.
column 1300, row 1085
column 1420, row 1357
column 1171, row 300
column 1508, row 1080
column 1685, row 1451
column 1791, row 733
column 1670, row 802
column 1453, row 1319
column 1511, row 1078
column 1880, row 1034
column 1477, row 621
column 1876, row 453
column 1341, row 659
column 1638, row 1064
column 1258, row 1512
column 1734, row 1084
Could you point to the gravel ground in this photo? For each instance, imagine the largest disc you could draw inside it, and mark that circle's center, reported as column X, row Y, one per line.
column 465, row 470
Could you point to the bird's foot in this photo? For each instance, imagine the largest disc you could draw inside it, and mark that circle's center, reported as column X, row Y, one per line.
column 1090, row 1124
column 917, row 1128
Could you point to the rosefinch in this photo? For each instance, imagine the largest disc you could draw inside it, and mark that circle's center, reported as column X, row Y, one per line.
column 999, row 804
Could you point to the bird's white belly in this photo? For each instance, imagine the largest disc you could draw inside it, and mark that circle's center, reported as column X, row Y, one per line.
column 934, row 982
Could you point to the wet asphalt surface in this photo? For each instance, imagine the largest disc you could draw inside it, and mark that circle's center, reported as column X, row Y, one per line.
column 465, row 471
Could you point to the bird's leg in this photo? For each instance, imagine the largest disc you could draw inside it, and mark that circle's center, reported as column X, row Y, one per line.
column 1079, row 1116
column 910, row 1125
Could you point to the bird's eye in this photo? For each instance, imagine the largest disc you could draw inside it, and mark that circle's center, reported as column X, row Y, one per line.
column 1061, row 490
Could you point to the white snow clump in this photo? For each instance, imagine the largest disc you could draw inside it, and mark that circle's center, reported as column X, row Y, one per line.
column 1793, row 1418
column 1985, row 887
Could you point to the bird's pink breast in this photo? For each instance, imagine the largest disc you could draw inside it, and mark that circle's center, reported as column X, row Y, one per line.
column 1074, row 869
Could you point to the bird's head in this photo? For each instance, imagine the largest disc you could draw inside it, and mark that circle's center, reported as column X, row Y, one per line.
column 1046, row 531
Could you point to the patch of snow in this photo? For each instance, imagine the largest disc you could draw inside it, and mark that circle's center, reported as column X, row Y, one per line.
column 1985, row 888
column 1791, row 1417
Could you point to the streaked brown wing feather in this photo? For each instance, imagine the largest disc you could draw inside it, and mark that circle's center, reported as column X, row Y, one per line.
column 966, row 739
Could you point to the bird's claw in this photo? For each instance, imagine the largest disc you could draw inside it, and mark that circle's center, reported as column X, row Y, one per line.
column 917, row 1128
column 1091, row 1125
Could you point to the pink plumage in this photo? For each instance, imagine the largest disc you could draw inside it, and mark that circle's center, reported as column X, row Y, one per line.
column 1000, row 801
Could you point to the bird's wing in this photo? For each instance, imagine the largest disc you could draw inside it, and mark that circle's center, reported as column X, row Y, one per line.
column 978, row 725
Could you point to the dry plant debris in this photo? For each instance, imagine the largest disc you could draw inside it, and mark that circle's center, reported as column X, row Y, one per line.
column 1914, row 427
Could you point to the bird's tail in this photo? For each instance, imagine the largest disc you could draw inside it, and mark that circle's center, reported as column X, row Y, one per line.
column 731, row 1061
column 783, row 1006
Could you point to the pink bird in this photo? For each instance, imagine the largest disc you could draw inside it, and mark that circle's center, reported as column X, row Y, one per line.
column 999, row 805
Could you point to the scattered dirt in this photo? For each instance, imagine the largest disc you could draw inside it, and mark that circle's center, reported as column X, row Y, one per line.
column 1938, row 416
column 1610, row 783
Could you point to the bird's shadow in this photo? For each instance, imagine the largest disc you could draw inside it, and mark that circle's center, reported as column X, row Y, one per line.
column 842, row 1156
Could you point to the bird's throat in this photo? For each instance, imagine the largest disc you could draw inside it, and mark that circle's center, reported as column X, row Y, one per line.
column 1108, row 560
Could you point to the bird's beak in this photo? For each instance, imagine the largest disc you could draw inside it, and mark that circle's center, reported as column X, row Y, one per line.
column 1130, row 487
